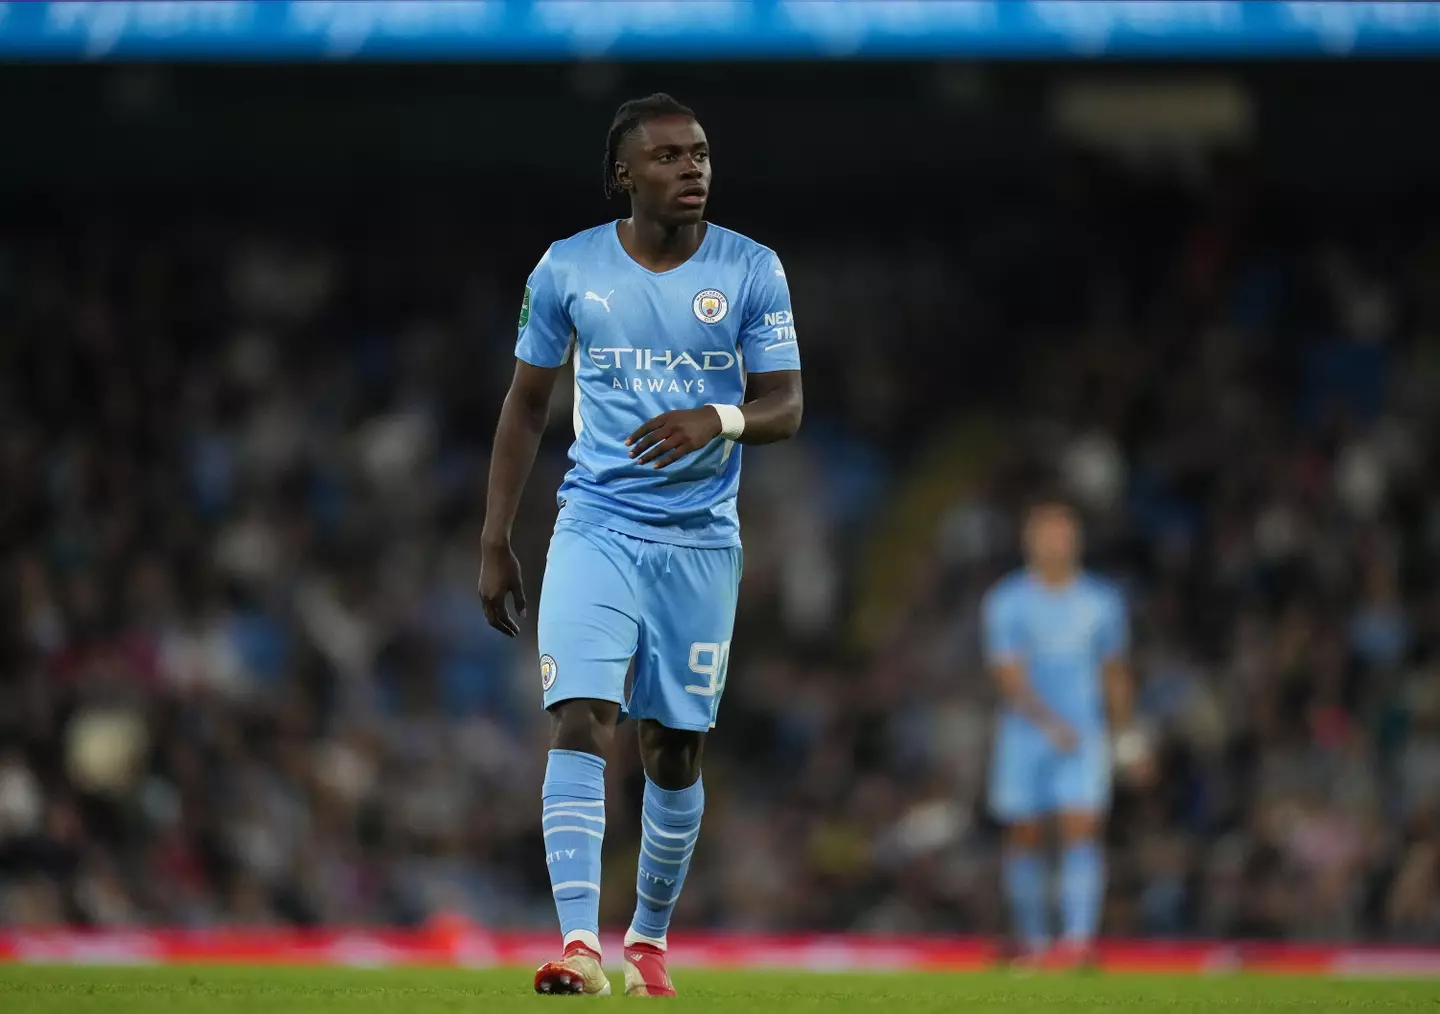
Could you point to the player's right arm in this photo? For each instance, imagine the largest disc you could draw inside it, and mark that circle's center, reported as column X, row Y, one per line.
column 517, row 438
column 543, row 347
column 1003, row 638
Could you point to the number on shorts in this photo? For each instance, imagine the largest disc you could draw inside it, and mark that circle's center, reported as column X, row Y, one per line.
column 710, row 659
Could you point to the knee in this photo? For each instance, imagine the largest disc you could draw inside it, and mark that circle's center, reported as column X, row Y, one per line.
column 671, row 756
column 1079, row 827
column 585, row 726
column 1022, row 837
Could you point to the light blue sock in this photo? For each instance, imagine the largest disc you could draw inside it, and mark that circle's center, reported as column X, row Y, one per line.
column 573, row 819
column 1082, row 887
column 669, row 827
column 1025, row 884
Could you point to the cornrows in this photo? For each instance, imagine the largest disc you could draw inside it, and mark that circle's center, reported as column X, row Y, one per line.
column 627, row 118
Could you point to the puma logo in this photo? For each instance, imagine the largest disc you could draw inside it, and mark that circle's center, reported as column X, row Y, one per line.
column 604, row 300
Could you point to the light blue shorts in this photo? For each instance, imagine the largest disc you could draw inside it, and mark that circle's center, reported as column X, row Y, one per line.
column 1029, row 778
column 609, row 598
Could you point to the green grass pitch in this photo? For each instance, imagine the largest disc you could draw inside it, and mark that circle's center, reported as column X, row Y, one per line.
column 52, row 990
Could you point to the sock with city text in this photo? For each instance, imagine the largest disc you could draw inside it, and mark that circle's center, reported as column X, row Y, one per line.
column 1025, row 885
column 669, row 827
column 573, row 820
column 1082, row 888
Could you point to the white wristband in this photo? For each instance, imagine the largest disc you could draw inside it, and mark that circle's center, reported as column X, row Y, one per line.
column 1129, row 747
column 732, row 421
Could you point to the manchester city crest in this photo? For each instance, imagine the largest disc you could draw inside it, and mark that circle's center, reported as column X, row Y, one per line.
column 710, row 306
column 548, row 671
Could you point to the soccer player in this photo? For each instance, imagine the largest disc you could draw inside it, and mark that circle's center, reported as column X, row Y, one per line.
column 682, row 342
column 1055, row 638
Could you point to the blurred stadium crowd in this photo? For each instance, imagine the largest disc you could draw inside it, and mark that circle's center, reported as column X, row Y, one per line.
column 245, row 679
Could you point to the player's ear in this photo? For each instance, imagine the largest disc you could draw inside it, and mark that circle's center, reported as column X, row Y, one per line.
column 623, row 179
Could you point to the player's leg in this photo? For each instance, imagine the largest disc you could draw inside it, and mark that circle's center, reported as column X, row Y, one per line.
column 670, row 816
column 588, row 628
column 573, row 813
column 1019, row 804
column 1082, row 794
column 688, row 616
column 1025, row 881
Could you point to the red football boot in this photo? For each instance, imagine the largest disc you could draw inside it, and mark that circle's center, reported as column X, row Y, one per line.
column 1071, row 956
column 645, row 972
column 577, row 973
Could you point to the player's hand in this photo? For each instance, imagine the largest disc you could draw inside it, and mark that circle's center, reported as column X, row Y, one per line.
column 500, row 576
column 671, row 435
column 1132, row 753
column 1062, row 735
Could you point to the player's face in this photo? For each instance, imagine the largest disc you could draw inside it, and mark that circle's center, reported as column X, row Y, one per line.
column 1052, row 538
column 669, row 170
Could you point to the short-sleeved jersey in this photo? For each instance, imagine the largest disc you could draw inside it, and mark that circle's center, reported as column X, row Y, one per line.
column 1061, row 637
column 644, row 342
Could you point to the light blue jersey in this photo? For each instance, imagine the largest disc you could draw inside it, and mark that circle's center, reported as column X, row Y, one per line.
column 645, row 563
column 643, row 343
column 1061, row 637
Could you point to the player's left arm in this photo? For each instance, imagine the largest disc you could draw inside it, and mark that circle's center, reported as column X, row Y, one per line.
column 775, row 399
column 1114, row 650
column 1115, row 664
column 773, row 407
column 1129, row 745
column 1119, row 692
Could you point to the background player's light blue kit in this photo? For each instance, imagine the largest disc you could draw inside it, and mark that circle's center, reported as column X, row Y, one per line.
column 1061, row 637
column 646, row 562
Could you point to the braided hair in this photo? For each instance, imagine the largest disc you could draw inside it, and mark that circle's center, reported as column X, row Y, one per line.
column 629, row 116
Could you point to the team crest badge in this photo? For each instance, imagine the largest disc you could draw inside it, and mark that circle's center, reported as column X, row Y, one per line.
column 548, row 670
column 710, row 306
column 525, row 308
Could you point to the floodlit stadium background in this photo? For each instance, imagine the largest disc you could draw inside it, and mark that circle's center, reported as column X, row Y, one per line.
column 256, row 319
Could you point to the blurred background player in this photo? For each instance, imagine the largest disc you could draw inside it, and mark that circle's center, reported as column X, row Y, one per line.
column 1055, row 638
column 671, row 323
